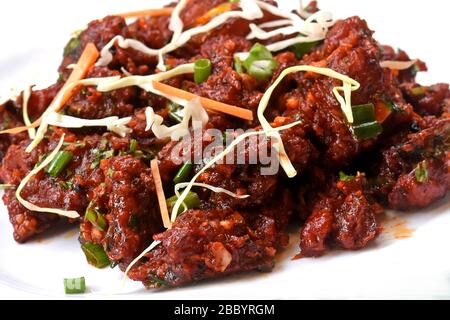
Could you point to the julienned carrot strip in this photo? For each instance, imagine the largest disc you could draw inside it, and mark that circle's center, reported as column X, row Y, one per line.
column 85, row 62
column 16, row 130
column 221, row 8
column 207, row 103
column 160, row 194
column 147, row 13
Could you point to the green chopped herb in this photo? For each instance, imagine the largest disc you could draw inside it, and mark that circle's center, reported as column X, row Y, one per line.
column 260, row 63
column 100, row 155
column 202, row 70
column 5, row 124
column 237, row 65
column 95, row 217
column 367, row 130
column 133, row 145
column 183, row 173
column 345, row 177
column 190, row 201
column 71, row 46
column 67, row 185
column 61, row 77
column 75, row 286
column 110, row 172
column 419, row 91
column 158, row 281
column 421, row 172
column 59, row 163
column 300, row 49
column 95, row 255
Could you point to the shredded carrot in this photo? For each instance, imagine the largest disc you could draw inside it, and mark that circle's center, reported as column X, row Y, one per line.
column 21, row 129
column 207, row 103
column 221, row 8
column 160, row 194
column 147, row 13
column 382, row 111
column 85, row 62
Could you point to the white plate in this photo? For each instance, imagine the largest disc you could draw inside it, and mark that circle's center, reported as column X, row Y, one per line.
column 415, row 267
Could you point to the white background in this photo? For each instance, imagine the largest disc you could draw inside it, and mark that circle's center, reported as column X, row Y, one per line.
column 32, row 35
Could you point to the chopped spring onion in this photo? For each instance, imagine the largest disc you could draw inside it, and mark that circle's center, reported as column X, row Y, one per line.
column 345, row 177
column 59, row 163
column 95, row 217
column 237, row 65
column 259, row 63
column 7, row 186
column 419, row 91
column 302, row 48
column 71, row 46
column 367, row 130
column 95, row 255
column 421, row 172
column 183, row 173
column 202, row 70
column 42, row 165
column 133, row 145
column 363, row 113
column 262, row 70
column 75, row 285
column 191, row 201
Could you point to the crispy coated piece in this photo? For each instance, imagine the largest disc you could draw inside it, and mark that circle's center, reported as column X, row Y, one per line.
column 214, row 243
column 396, row 181
column 434, row 100
column 133, row 212
column 342, row 217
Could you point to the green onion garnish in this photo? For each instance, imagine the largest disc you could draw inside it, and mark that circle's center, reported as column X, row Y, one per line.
column 364, row 124
column 419, row 91
column 202, row 70
column 259, row 63
column 183, row 173
column 300, row 49
column 59, row 163
column 133, row 145
column 75, row 286
column 345, row 177
column 367, row 130
column 363, row 113
column 191, row 201
column 262, row 69
column 237, row 65
column 95, row 217
column 95, row 255
column 421, row 172
column 71, row 46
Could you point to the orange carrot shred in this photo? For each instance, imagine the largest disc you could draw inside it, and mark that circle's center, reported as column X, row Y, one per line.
column 147, row 13
column 207, row 103
column 160, row 194
column 85, row 62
